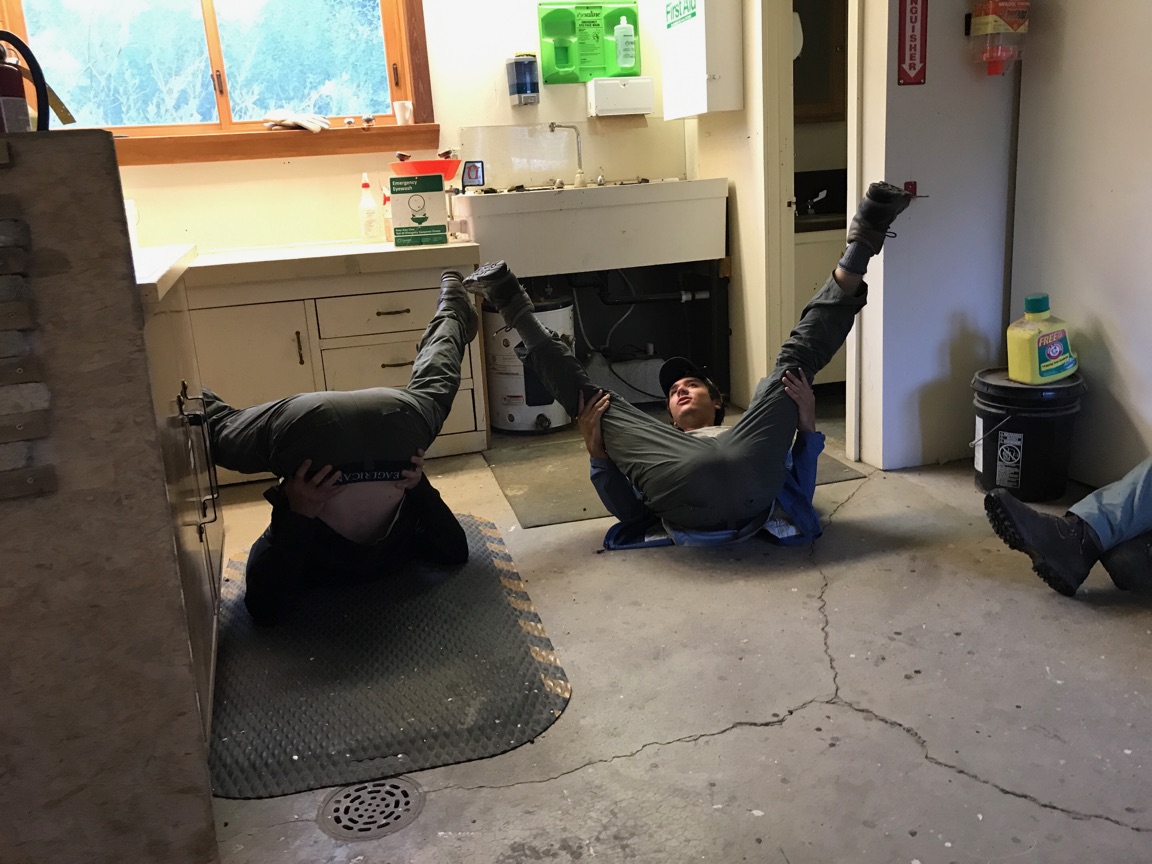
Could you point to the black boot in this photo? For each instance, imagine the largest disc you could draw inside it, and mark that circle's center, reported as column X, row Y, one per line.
column 1130, row 564
column 453, row 295
column 880, row 206
column 1062, row 548
column 500, row 287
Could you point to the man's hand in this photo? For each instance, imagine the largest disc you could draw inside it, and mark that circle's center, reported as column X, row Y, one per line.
column 413, row 475
column 588, row 419
column 800, row 391
column 308, row 496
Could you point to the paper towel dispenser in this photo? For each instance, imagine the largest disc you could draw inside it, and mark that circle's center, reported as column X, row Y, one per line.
column 609, row 97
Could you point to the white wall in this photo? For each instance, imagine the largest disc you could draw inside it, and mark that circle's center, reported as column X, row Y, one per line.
column 936, row 295
column 276, row 201
column 1081, row 233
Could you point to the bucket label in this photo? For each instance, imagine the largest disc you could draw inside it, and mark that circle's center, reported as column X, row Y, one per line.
column 1009, row 453
column 1054, row 355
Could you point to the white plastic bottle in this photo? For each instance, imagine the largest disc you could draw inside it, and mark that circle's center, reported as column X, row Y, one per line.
column 371, row 227
column 625, row 35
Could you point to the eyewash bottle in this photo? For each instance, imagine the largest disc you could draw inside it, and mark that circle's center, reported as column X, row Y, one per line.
column 1039, row 346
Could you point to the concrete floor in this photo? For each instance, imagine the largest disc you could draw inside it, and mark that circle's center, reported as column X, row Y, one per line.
column 907, row 691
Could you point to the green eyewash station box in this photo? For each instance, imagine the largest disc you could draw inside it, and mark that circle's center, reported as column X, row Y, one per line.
column 419, row 210
column 582, row 41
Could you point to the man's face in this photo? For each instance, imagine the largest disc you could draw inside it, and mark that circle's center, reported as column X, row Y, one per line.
column 690, row 404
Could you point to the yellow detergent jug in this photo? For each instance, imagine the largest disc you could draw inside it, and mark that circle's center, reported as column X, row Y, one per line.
column 1039, row 349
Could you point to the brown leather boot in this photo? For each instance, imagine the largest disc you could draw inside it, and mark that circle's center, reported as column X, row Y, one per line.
column 500, row 287
column 878, row 209
column 1130, row 564
column 1062, row 548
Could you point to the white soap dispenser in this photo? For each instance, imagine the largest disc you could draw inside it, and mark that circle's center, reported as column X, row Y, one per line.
column 625, row 35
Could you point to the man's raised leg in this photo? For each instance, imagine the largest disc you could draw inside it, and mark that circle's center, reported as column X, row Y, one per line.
column 631, row 437
column 764, row 433
column 436, row 371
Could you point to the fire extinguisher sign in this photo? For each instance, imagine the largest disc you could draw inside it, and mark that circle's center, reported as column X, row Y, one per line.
column 912, row 62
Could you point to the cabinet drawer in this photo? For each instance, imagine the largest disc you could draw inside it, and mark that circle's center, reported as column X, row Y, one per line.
column 381, row 365
column 364, row 314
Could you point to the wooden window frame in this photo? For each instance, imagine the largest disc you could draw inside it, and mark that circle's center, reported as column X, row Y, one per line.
column 403, row 23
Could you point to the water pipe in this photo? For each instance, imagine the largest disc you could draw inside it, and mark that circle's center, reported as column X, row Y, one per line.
column 580, row 182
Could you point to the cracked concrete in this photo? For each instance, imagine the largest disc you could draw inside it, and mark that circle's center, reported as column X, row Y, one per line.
column 906, row 690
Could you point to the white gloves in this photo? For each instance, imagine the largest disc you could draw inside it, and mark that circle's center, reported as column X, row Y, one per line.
column 282, row 118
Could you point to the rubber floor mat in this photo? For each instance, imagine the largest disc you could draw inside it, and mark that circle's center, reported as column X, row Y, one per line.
column 382, row 679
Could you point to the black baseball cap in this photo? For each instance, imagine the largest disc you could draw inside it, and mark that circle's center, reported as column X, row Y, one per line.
column 676, row 368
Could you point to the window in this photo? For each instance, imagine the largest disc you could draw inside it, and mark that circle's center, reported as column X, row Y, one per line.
column 172, row 68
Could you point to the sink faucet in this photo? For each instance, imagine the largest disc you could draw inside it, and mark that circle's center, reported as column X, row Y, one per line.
column 552, row 127
column 811, row 208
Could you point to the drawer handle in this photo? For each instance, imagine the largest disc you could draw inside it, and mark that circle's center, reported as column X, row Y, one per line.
column 381, row 313
column 299, row 348
column 397, row 365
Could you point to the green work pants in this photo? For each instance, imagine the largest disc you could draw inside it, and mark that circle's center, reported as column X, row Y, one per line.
column 368, row 434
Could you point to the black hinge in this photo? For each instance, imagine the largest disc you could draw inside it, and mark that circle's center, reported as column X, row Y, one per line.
column 395, row 75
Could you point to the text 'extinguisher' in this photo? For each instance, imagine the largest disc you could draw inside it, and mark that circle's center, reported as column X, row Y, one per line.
column 998, row 28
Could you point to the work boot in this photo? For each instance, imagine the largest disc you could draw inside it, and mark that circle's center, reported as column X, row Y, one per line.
column 500, row 287
column 879, row 207
column 453, row 294
column 1130, row 564
column 1062, row 548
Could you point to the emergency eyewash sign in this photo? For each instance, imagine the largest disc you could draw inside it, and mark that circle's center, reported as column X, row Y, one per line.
column 912, row 59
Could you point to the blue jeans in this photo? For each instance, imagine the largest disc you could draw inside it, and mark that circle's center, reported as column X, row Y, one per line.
column 1120, row 510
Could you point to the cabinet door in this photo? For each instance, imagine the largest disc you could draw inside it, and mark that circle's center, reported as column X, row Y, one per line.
column 253, row 354
column 819, row 74
column 816, row 255
column 703, row 66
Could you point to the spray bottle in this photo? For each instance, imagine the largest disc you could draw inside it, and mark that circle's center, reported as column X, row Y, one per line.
column 1039, row 348
column 389, row 235
column 370, row 227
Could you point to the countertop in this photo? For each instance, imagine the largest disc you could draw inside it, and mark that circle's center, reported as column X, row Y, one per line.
column 302, row 261
column 159, row 267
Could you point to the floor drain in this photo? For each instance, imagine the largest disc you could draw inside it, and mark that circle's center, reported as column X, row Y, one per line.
column 369, row 810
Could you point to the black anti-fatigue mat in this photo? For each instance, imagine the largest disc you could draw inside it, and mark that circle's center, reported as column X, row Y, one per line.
column 547, row 484
column 375, row 681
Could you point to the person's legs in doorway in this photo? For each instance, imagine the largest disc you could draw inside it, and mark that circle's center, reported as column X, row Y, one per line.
column 763, row 435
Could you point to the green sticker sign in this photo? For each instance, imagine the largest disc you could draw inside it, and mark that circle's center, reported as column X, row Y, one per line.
column 678, row 11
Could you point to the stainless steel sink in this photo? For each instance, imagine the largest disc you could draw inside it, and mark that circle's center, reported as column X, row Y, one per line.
column 820, row 222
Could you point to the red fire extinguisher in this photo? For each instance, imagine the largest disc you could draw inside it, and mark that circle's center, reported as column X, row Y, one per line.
column 14, row 116
column 998, row 28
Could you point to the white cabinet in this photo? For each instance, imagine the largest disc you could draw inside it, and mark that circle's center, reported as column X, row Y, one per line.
column 255, row 353
column 701, row 57
column 816, row 256
column 269, row 325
